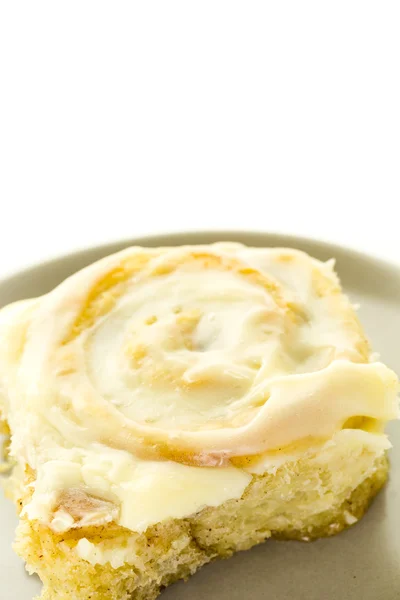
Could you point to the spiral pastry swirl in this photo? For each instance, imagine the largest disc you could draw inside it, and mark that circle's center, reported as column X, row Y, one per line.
column 202, row 355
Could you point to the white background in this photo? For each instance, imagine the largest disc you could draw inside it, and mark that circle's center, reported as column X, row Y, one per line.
column 125, row 118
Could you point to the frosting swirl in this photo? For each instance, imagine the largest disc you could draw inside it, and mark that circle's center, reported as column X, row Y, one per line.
column 200, row 355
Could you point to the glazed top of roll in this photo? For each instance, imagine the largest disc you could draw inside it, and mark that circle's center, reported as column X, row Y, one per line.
column 206, row 357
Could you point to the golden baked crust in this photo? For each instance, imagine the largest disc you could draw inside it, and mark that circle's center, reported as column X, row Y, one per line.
column 303, row 499
column 174, row 550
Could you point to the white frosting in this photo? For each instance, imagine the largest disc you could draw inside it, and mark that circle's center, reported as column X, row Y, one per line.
column 152, row 373
column 96, row 554
column 356, row 448
column 145, row 492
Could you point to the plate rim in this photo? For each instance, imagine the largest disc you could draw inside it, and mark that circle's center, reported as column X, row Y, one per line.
column 293, row 240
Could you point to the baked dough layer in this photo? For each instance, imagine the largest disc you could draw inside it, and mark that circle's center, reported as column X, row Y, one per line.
column 175, row 549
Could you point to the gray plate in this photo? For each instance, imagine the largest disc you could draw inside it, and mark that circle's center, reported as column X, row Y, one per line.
column 362, row 563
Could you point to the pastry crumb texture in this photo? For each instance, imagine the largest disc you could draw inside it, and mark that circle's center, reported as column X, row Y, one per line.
column 302, row 500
